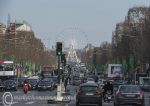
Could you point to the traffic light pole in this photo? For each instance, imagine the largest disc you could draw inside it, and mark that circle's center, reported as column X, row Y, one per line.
column 59, row 86
column 59, row 69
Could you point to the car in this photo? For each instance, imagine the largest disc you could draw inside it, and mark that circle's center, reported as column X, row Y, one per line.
column 129, row 95
column 32, row 83
column 20, row 81
column 76, row 80
column 90, row 80
column 10, row 85
column 54, row 80
column 44, row 85
column 116, row 85
column 89, row 93
column 51, row 80
column 2, row 86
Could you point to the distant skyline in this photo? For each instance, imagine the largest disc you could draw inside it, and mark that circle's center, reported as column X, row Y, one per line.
column 87, row 21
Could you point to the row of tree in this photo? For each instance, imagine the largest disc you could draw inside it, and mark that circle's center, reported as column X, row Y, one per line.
column 24, row 47
column 130, row 42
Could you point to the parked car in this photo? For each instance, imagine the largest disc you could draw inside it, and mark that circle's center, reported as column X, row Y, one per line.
column 129, row 95
column 2, row 86
column 10, row 85
column 20, row 81
column 51, row 80
column 89, row 93
column 44, row 85
column 32, row 82
column 54, row 80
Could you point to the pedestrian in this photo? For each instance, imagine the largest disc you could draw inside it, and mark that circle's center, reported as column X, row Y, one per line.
column 66, row 83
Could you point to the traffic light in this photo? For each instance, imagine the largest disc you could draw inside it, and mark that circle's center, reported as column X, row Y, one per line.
column 63, row 59
column 59, row 49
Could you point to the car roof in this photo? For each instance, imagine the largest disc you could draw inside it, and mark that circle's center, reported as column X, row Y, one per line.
column 128, row 86
column 89, row 84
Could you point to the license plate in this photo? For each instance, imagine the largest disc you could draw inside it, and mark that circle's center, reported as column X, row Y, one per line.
column 130, row 95
column 89, row 94
column 109, row 97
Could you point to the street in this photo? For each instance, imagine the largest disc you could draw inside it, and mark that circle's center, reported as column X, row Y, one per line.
column 39, row 98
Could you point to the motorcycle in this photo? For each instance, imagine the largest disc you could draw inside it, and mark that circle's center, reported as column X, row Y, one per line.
column 25, row 88
column 108, row 96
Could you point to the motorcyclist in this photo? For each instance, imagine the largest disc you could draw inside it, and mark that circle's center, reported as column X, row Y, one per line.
column 107, row 87
column 25, row 86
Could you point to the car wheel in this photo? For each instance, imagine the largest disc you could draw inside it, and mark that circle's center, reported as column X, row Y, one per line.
column 100, row 104
column 77, row 104
column 116, row 104
column 142, row 105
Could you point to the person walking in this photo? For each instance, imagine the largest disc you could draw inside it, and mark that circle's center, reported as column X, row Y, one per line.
column 66, row 83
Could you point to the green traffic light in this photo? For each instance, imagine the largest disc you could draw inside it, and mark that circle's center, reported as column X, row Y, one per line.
column 58, row 53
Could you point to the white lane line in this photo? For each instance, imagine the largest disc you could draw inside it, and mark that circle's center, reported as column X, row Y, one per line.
column 31, row 102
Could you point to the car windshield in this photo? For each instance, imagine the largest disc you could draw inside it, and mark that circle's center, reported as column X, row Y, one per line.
column 88, row 88
column 8, row 67
column 76, row 78
column 44, row 83
column 9, row 82
column 32, row 81
column 129, row 89
column 90, row 79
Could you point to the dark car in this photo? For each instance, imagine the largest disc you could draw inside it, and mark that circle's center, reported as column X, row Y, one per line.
column 55, row 79
column 20, row 81
column 116, row 86
column 32, row 83
column 89, row 93
column 10, row 85
column 2, row 86
column 44, row 85
column 129, row 95
column 51, row 80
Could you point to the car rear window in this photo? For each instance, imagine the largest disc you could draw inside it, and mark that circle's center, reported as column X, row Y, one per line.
column 76, row 78
column 129, row 89
column 88, row 88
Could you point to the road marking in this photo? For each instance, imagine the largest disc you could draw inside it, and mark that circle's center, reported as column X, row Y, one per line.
column 15, row 103
column 31, row 102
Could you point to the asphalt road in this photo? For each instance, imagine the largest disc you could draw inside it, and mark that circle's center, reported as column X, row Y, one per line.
column 40, row 98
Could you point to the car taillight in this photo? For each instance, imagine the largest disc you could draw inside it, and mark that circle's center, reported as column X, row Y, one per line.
column 98, row 91
column 119, row 94
column 141, row 95
column 79, row 92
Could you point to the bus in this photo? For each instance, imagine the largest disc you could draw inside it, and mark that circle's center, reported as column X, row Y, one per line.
column 46, row 71
column 7, row 69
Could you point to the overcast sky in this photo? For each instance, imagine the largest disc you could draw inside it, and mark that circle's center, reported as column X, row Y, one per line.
column 84, row 21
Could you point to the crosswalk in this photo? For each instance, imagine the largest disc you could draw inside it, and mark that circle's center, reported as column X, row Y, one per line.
column 21, row 103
